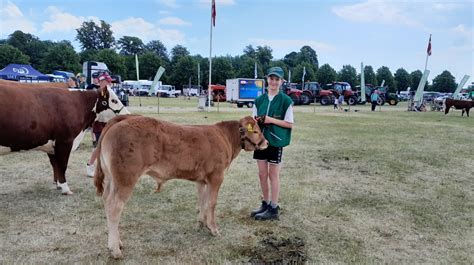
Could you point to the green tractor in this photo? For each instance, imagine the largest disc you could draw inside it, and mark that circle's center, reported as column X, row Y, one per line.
column 384, row 95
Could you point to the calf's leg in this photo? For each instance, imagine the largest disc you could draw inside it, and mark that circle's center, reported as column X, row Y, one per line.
column 212, row 192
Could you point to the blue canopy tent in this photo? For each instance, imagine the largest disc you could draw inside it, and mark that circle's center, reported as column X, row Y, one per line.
column 22, row 72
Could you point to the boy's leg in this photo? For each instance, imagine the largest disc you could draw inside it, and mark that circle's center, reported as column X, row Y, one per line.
column 274, row 176
column 263, row 177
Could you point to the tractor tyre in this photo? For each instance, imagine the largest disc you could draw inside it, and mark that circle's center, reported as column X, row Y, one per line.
column 392, row 102
column 352, row 100
column 325, row 100
column 296, row 99
column 305, row 99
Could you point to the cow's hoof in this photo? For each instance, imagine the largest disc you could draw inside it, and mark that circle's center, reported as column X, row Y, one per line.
column 200, row 225
column 67, row 193
column 116, row 254
column 215, row 232
column 120, row 245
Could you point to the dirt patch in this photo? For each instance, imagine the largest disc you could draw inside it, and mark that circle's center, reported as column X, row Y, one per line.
column 278, row 250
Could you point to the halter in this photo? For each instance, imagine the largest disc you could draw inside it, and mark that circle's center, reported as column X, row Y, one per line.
column 244, row 138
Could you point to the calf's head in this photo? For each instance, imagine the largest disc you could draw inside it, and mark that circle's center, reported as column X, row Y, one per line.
column 251, row 137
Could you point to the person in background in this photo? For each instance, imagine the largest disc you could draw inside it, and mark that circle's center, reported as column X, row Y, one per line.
column 94, row 85
column 374, row 98
column 82, row 81
column 341, row 101
column 336, row 103
column 104, row 81
column 274, row 112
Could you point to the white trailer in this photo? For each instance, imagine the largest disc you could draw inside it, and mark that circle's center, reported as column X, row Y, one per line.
column 244, row 91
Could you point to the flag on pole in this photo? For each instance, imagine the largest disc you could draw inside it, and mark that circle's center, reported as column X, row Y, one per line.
column 428, row 50
column 214, row 13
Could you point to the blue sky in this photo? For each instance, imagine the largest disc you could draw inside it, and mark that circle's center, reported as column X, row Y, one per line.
column 390, row 33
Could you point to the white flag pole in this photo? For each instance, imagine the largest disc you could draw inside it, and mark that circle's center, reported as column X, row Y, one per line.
column 210, row 63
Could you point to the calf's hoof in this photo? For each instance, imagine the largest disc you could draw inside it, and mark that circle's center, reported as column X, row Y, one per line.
column 67, row 193
column 116, row 254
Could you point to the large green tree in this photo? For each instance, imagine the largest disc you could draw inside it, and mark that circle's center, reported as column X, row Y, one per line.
column 297, row 73
column 291, row 59
column 184, row 69
column 114, row 61
column 384, row 73
column 369, row 75
column 95, row 37
column 415, row 77
column 158, row 48
column 10, row 54
column 222, row 70
column 402, row 79
column 178, row 52
column 61, row 57
column 31, row 46
column 264, row 55
column 130, row 45
column 149, row 64
column 444, row 82
column 326, row 74
column 348, row 74
column 308, row 55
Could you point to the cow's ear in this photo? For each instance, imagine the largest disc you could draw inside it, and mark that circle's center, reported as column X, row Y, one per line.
column 103, row 91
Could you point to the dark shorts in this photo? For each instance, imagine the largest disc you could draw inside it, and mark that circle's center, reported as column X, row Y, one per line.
column 271, row 154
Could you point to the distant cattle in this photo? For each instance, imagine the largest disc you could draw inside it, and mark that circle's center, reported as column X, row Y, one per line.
column 464, row 105
column 131, row 146
column 49, row 119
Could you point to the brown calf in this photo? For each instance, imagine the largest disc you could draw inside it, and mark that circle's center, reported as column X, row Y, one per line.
column 131, row 146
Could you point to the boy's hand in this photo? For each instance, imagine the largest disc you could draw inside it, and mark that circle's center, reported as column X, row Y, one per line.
column 260, row 120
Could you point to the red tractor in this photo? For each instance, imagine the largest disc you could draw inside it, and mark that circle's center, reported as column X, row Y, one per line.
column 317, row 94
column 297, row 95
column 345, row 89
column 218, row 93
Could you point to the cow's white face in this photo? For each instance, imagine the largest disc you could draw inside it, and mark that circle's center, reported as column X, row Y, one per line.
column 108, row 105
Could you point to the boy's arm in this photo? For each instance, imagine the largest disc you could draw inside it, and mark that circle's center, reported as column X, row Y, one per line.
column 286, row 123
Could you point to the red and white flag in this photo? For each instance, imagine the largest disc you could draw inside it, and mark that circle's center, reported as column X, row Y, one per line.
column 213, row 14
column 428, row 50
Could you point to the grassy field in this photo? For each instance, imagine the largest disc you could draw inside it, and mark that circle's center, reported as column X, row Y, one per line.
column 357, row 187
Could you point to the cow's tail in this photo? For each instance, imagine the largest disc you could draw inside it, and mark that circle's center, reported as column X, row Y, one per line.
column 99, row 173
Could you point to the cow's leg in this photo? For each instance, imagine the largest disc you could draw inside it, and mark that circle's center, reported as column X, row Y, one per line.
column 212, row 191
column 467, row 111
column 202, row 199
column 61, row 153
column 115, row 196
column 52, row 160
column 462, row 112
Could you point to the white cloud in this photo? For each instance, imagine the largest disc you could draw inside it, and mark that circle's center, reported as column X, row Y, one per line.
column 376, row 11
column 62, row 21
column 13, row 19
column 164, row 12
column 218, row 2
column 173, row 21
column 169, row 3
column 446, row 6
column 291, row 44
column 146, row 31
column 463, row 37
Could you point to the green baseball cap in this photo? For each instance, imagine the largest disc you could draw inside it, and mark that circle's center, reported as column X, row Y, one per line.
column 276, row 71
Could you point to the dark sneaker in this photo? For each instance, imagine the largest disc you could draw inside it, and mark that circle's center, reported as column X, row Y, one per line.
column 262, row 209
column 270, row 214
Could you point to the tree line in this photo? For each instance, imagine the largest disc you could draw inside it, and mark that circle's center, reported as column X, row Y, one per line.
column 98, row 44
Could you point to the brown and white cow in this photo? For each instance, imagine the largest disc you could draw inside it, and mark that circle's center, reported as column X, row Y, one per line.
column 49, row 119
column 131, row 146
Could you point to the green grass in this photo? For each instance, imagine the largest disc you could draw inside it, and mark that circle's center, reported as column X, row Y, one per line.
column 357, row 187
